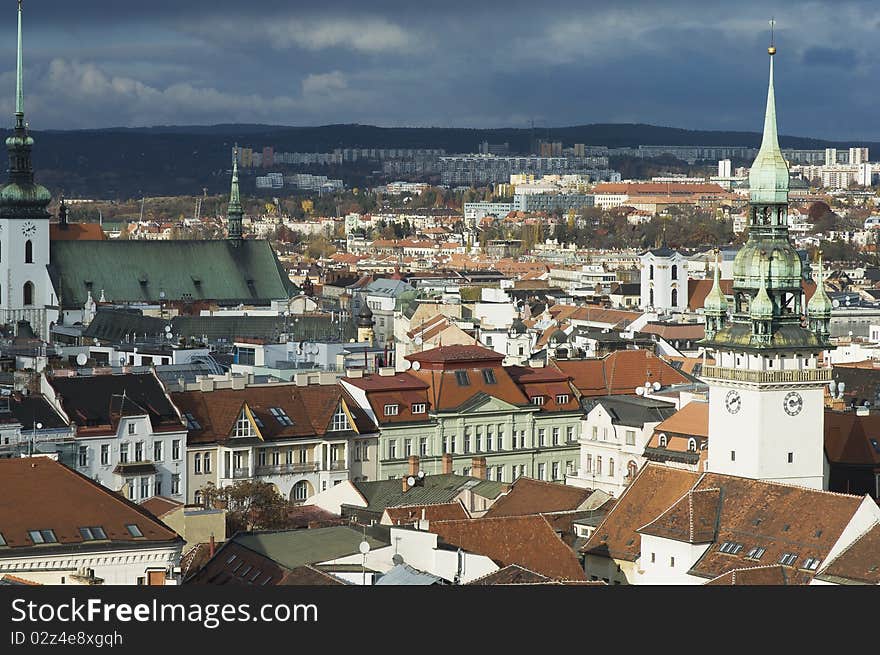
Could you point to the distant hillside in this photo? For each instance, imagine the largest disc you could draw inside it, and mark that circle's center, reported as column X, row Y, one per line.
column 180, row 160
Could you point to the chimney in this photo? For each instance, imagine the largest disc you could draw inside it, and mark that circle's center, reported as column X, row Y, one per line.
column 447, row 463
column 404, row 483
column 478, row 467
column 211, row 546
column 413, row 465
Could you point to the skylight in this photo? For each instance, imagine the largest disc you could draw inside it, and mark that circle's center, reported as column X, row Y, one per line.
column 43, row 536
column 731, row 547
column 281, row 416
column 191, row 422
column 811, row 563
column 756, row 552
column 2, row 540
column 93, row 533
column 788, row 559
column 134, row 530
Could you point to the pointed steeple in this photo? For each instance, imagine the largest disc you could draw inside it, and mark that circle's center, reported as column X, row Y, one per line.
column 234, row 212
column 768, row 176
column 716, row 303
column 22, row 197
column 19, row 92
column 761, row 308
column 820, row 306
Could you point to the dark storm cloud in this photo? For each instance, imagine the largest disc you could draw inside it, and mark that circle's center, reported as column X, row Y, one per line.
column 688, row 64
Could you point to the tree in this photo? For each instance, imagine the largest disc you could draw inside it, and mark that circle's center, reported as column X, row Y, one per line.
column 250, row 505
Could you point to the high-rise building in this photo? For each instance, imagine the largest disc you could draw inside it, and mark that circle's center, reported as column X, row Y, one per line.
column 858, row 156
column 830, row 156
column 766, row 388
column 268, row 157
column 724, row 168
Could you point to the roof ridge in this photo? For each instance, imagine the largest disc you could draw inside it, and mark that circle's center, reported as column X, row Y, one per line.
column 507, row 566
column 782, row 484
column 847, row 549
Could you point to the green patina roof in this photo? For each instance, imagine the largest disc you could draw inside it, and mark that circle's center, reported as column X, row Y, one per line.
column 715, row 302
column 761, row 307
column 138, row 271
column 293, row 548
column 436, row 489
column 768, row 176
column 738, row 336
column 820, row 304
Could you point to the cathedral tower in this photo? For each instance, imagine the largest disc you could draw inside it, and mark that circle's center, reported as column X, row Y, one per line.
column 766, row 409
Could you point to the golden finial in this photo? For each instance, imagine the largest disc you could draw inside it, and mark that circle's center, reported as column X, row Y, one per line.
column 772, row 49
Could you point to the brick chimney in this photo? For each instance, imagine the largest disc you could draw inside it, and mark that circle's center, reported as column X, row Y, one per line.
column 211, row 546
column 413, row 465
column 478, row 467
column 447, row 462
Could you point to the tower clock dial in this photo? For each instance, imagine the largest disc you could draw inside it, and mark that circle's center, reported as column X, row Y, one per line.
column 793, row 403
column 733, row 401
column 28, row 229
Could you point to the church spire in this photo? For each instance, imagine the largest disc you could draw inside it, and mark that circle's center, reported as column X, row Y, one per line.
column 19, row 92
column 234, row 212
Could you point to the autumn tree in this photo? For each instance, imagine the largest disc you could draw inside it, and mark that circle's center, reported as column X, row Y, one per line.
column 250, row 505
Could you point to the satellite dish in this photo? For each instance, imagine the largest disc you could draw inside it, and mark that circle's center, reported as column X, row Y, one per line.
column 648, row 385
column 411, row 481
column 835, row 303
column 832, row 386
column 407, row 364
column 397, row 559
column 168, row 328
column 364, row 547
column 417, row 341
column 168, row 335
column 416, row 366
column 640, row 391
column 657, row 386
column 421, row 475
column 81, row 359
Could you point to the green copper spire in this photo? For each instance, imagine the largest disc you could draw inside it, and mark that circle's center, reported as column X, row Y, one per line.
column 761, row 308
column 768, row 176
column 820, row 304
column 19, row 92
column 22, row 197
column 715, row 302
column 234, row 212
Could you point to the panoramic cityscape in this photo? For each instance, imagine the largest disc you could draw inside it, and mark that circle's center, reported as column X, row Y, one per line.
column 516, row 348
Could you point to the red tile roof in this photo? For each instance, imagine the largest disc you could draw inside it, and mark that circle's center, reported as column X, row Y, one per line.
column 39, row 493
column 619, row 372
column 528, row 496
column 859, row 561
column 528, row 541
column 409, row 514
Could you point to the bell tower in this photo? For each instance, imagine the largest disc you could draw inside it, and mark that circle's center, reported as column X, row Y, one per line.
column 766, row 409
column 26, row 292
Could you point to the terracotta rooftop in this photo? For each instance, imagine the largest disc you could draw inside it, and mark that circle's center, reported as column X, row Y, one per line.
column 159, row 506
column 619, row 372
column 774, row 574
column 692, row 420
column 409, row 514
column 454, row 355
column 859, row 563
column 528, row 541
column 528, row 496
column 59, row 499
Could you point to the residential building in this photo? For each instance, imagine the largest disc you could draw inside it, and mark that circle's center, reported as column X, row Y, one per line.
column 614, row 433
column 129, row 435
column 302, row 439
column 58, row 526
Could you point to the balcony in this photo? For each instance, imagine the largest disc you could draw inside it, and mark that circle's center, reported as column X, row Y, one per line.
column 338, row 465
column 240, row 473
column 774, row 377
column 282, row 469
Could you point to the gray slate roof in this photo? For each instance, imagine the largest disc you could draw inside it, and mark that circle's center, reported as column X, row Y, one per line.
column 293, row 548
column 635, row 411
column 437, row 489
column 404, row 574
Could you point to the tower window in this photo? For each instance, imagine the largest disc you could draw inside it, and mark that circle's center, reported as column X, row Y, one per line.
column 790, row 458
column 28, row 293
column 732, row 455
column 28, row 252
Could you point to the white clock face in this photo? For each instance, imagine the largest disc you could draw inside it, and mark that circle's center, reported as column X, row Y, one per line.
column 733, row 401
column 28, row 229
column 793, row 403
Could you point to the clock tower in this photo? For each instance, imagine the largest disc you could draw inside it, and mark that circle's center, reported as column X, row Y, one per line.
column 25, row 289
column 766, row 406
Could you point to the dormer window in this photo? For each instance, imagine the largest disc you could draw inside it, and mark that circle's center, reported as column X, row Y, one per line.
column 663, row 440
column 340, row 420
column 537, row 400
column 391, row 410
column 692, row 445
column 243, row 427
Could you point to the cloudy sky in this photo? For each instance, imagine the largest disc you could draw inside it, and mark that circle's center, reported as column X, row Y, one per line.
column 699, row 65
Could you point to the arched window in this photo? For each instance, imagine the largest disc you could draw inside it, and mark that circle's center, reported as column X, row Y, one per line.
column 675, row 297
column 651, row 272
column 197, row 498
column 674, row 271
column 598, row 466
column 631, row 470
column 28, row 293
column 28, row 252
column 300, row 491
column 611, row 467
column 663, row 440
column 692, row 445
column 197, row 463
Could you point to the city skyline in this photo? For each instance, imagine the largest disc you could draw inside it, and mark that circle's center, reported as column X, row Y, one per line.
column 88, row 67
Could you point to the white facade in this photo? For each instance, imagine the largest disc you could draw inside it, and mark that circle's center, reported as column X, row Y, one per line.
column 664, row 281
column 26, row 292
column 119, row 566
column 766, row 417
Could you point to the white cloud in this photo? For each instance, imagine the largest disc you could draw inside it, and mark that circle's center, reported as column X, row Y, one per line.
column 324, row 83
